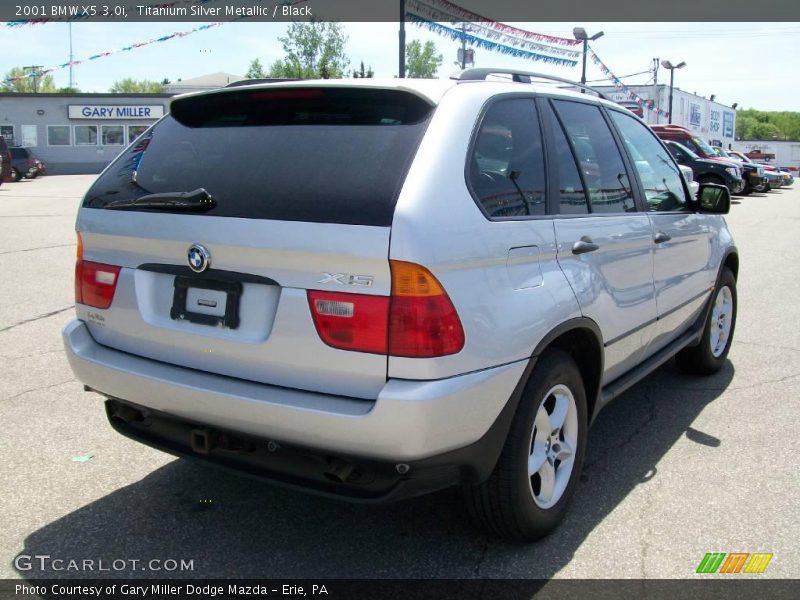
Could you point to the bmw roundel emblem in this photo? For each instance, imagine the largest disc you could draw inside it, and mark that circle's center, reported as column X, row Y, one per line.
column 199, row 258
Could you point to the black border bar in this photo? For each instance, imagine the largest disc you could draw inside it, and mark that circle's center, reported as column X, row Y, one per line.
column 784, row 12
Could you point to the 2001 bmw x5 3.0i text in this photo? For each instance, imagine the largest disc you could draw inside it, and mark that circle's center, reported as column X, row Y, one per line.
column 377, row 289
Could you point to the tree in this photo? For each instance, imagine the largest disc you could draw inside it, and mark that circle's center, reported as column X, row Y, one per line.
column 362, row 73
column 754, row 124
column 136, row 86
column 422, row 61
column 26, row 81
column 312, row 50
column 68, row 90
column 256, row 70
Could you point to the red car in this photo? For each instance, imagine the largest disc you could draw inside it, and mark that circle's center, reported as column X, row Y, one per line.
column 25, row 164
column 7, row 173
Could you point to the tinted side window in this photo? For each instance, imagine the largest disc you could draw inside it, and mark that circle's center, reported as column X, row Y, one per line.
column 571, row 194
column 660, row 177
column 506, row 167
column 598, row 156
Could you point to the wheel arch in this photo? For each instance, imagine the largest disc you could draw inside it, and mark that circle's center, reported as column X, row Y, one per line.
column 582, row 339
column 731, row 261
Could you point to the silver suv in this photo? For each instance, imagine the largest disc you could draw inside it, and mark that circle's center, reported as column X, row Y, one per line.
column 377, row 289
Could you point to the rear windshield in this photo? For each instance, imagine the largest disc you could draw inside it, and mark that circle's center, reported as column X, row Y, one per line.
column 326, row 155
column 19, row 152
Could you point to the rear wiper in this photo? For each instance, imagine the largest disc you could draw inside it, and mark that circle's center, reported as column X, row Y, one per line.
column 198, row 200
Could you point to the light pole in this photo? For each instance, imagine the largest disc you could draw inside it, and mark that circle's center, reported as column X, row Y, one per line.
column 669, row 66
column 401, row 70
column 580, row 34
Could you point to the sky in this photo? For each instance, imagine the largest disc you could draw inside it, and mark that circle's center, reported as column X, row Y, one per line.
column 752, row 64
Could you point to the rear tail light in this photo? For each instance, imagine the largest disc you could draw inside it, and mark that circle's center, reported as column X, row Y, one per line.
column 417, row 321
column 95, row 283
column 31, row 163
column 350, row 321
column 423, row 322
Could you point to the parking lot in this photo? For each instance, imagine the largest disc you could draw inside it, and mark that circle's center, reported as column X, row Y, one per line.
column 677, row 467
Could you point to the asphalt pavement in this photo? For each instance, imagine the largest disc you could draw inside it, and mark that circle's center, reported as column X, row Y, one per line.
column 677, row 467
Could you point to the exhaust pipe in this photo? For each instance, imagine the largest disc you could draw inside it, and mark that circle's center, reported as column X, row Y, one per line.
column 340, row 471
column 124, row 414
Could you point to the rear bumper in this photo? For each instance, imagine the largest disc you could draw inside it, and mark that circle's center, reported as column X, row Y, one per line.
column 410, row 420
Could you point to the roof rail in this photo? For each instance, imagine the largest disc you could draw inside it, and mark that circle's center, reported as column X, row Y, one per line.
column 480, row 74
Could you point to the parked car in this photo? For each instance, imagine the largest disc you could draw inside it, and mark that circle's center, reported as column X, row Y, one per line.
column 24, row 163
column 777, row 177
column 765, row 187
column 685, row 137
column 705, row 170
column 688, row 175
column 6, row 172
column 786, row 176
column 444, row 317
column 632, row 106
column 752, row 173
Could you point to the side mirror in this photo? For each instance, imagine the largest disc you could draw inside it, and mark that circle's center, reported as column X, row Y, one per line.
column 680, row 158
column 714, row 199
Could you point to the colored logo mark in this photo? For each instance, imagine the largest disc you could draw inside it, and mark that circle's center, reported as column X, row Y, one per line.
column 734, row 562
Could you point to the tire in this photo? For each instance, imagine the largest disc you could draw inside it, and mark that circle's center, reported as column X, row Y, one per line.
column 507, row 504
column 747, row 189
column 15, row 174
column 710, row 354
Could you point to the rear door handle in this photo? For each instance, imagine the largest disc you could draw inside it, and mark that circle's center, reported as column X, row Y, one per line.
column 584, row 245
column 662, row 237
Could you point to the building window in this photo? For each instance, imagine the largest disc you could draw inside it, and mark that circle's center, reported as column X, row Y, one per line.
column 29, row 136
column 113, row 135
column 58, row 135
column 135, row 131
column 7, row 131
column 85, row 135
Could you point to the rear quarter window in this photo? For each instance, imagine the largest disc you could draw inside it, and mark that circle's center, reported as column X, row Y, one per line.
column 329, row 155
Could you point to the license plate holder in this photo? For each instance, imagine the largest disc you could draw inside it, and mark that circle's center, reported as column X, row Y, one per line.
column 180, row 311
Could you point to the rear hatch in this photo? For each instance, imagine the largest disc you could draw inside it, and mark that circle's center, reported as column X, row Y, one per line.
column 275, row 191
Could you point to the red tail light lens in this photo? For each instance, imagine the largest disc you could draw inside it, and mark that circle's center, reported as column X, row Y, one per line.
column 417, row 321
column 95, row 283
column 351, row 321
column 423, row 322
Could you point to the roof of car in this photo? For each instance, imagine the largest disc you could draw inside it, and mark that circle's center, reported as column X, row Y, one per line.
column 430, row 89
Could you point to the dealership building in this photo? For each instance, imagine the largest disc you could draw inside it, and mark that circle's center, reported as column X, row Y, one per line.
column 710, row 120
column 82, row 133
column 77, row 133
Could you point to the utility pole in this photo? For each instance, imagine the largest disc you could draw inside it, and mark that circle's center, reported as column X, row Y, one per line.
column 401, row 71
column 34, row 70
column 71, row 80
column 463, row 46
column 656, row 95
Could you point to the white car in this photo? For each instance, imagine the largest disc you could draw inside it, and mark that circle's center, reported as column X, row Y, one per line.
column 688, row 174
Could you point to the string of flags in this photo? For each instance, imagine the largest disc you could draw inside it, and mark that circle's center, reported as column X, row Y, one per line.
column 421, row 8
column 645, row 104
column 458, row 14
column 163, row 38
column 456, row 34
